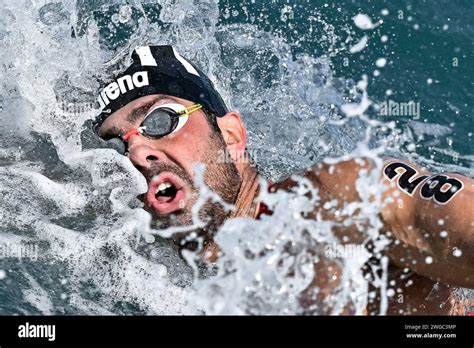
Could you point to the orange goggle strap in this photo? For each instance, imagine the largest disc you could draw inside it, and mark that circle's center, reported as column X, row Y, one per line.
column 127, row 135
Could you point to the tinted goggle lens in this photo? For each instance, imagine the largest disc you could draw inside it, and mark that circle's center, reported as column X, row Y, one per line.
column 160, row 122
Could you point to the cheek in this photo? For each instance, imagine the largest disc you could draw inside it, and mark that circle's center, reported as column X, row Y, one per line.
column 193, row 145
column 195, row 148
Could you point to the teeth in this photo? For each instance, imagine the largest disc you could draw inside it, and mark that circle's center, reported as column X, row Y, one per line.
column 163, row 186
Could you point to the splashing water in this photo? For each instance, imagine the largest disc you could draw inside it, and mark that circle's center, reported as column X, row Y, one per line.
column 90, row 246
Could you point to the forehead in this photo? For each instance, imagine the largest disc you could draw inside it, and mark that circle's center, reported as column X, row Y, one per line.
column 119, row 117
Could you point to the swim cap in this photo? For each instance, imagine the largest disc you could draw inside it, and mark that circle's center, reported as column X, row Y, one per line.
column 159, row 70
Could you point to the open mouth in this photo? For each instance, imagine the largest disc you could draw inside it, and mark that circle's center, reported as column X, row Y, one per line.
column 166, row 194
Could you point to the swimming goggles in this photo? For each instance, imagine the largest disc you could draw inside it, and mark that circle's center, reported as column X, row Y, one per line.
column 160, row 121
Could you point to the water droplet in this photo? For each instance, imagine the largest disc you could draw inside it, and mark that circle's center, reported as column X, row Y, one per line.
column 363, row 21
column 115, row 18
column 457, row 252
column 359, row 46
column 149, row 238
column 381, row 62
column 125, row 14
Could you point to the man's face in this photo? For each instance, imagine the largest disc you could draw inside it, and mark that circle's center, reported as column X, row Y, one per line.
column 167, row 163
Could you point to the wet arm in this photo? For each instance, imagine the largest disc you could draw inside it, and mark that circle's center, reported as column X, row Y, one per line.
column 432, row 217
column 432, row 229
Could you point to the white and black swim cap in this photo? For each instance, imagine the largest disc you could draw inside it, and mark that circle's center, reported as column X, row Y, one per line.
column 159, row 70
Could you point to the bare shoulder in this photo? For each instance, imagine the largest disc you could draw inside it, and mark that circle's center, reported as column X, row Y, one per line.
column 339, row 179
column 333, row 180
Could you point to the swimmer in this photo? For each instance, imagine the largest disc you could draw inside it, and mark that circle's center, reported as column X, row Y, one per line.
column 165, row 115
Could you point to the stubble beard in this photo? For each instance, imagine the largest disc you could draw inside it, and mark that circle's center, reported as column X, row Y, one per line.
column 220, row 176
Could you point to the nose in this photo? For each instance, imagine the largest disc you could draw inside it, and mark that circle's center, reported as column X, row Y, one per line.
column 142, row 154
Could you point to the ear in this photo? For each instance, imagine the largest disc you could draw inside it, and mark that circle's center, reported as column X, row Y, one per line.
column 235, row 136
